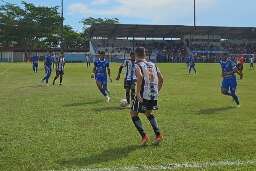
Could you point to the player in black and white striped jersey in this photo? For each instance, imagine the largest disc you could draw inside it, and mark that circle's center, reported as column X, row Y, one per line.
column 149, row 83
column 60, row 64
column 130, row 77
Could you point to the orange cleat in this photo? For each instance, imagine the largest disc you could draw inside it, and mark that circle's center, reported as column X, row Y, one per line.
column 144, row 140
column 158, row 139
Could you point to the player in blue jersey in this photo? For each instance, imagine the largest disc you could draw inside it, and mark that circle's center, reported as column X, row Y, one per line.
column 48, row 68
column 130, row 77
column 229, row 83
column 101, row 72
column 35, row 61
column 192, row 64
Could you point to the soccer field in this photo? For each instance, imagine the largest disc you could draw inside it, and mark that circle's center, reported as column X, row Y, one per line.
column 71, row 127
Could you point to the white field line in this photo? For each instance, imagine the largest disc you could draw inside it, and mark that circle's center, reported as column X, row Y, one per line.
column 173, row 166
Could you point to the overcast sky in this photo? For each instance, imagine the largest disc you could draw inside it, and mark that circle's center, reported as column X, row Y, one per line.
column 173, row 12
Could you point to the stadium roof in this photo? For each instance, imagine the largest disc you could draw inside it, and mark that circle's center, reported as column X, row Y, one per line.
column 170, row 31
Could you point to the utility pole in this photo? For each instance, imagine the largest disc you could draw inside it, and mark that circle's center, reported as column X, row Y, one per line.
column 62, row 26
column 195, row 14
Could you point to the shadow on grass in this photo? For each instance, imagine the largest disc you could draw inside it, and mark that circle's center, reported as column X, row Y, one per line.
column 82, row 103
column 214, row 110
column 32, row 86
column 108, row 108
column 106, row 156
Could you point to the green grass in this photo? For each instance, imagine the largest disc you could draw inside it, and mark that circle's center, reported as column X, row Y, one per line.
column 71, row 127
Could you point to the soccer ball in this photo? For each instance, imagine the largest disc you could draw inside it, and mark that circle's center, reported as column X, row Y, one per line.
column 123, row 103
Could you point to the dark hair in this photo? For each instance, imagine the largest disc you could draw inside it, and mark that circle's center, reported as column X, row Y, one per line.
column 140, row 52
column 102, row 52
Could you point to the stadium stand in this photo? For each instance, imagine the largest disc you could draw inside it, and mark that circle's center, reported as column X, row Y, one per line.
column 171, row 43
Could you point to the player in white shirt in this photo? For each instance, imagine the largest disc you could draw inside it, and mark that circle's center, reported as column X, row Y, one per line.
column 252, row 62
column 149, row 83
column 130, row 77
column 60, row 64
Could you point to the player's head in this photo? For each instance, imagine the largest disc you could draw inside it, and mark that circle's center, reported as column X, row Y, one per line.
column 62, row 54
column 140, row 53
column 102, row 54
column 132, row 56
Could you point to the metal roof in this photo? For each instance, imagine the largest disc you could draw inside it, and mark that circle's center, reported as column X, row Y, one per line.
column 130, row 30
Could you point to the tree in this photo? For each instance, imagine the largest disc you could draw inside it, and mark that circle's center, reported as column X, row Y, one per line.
column 29, row 26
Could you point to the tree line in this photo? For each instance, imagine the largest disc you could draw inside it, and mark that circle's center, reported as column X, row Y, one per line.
column 32, row 27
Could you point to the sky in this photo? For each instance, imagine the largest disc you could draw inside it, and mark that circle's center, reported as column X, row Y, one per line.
column 167, row 12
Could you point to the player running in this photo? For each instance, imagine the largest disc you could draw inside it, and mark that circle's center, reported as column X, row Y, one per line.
column 35, row 61
column 130, row 77
column 240, row 65
column 48, row 68
column 60, row 64
column 100, row 70
column 149, row 83
column 229, row 83
column 192, row 64
column 252, row 62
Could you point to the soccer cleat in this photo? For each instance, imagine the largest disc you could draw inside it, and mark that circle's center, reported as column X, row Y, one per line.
column 158, row 139
column 144, row 140
column 108, row 99
column 60, row 84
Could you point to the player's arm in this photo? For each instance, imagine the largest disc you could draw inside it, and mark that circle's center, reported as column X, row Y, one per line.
column 139, row 83
column 119, row 72
column 93, row 71
column 160, row 80
column 109, row 73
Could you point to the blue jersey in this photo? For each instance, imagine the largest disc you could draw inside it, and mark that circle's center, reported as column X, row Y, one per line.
column 228, row 69
column 48, row 61
column 191, row 61
column 35, row 59
column 101, row 68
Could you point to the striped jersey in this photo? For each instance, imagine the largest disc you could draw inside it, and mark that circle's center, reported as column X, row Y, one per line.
column 60, row 63
column 149, row 89
column 129, row 70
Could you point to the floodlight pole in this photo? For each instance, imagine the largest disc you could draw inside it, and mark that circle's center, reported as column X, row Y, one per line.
column 195, row 14
column 62, row 26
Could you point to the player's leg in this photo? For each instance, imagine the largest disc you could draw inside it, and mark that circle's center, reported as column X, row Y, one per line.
column 190, row 68
column 233, row 85
column 56, row 77
column 225, row 87
column 61, row 77
column 194, row 68
column 127, row 91
column 48, row 75
column 150, row 105
column 46, row 72
column 33, row 67
column 36, row 67
column 135, row 109
column 102, row 86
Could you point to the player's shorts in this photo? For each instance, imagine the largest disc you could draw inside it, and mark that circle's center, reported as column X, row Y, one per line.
column 101, row 79
column 48, row 70
column 35, row 64
column 229, row 84
column 145, row 105
column 128, row 84
column 61, row 72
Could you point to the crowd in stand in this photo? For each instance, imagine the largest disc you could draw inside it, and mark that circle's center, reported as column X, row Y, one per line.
column 177, row 51
column 240, row 48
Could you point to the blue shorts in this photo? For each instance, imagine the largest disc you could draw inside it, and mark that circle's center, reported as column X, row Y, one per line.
column 229, row 84
column 101, row 79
